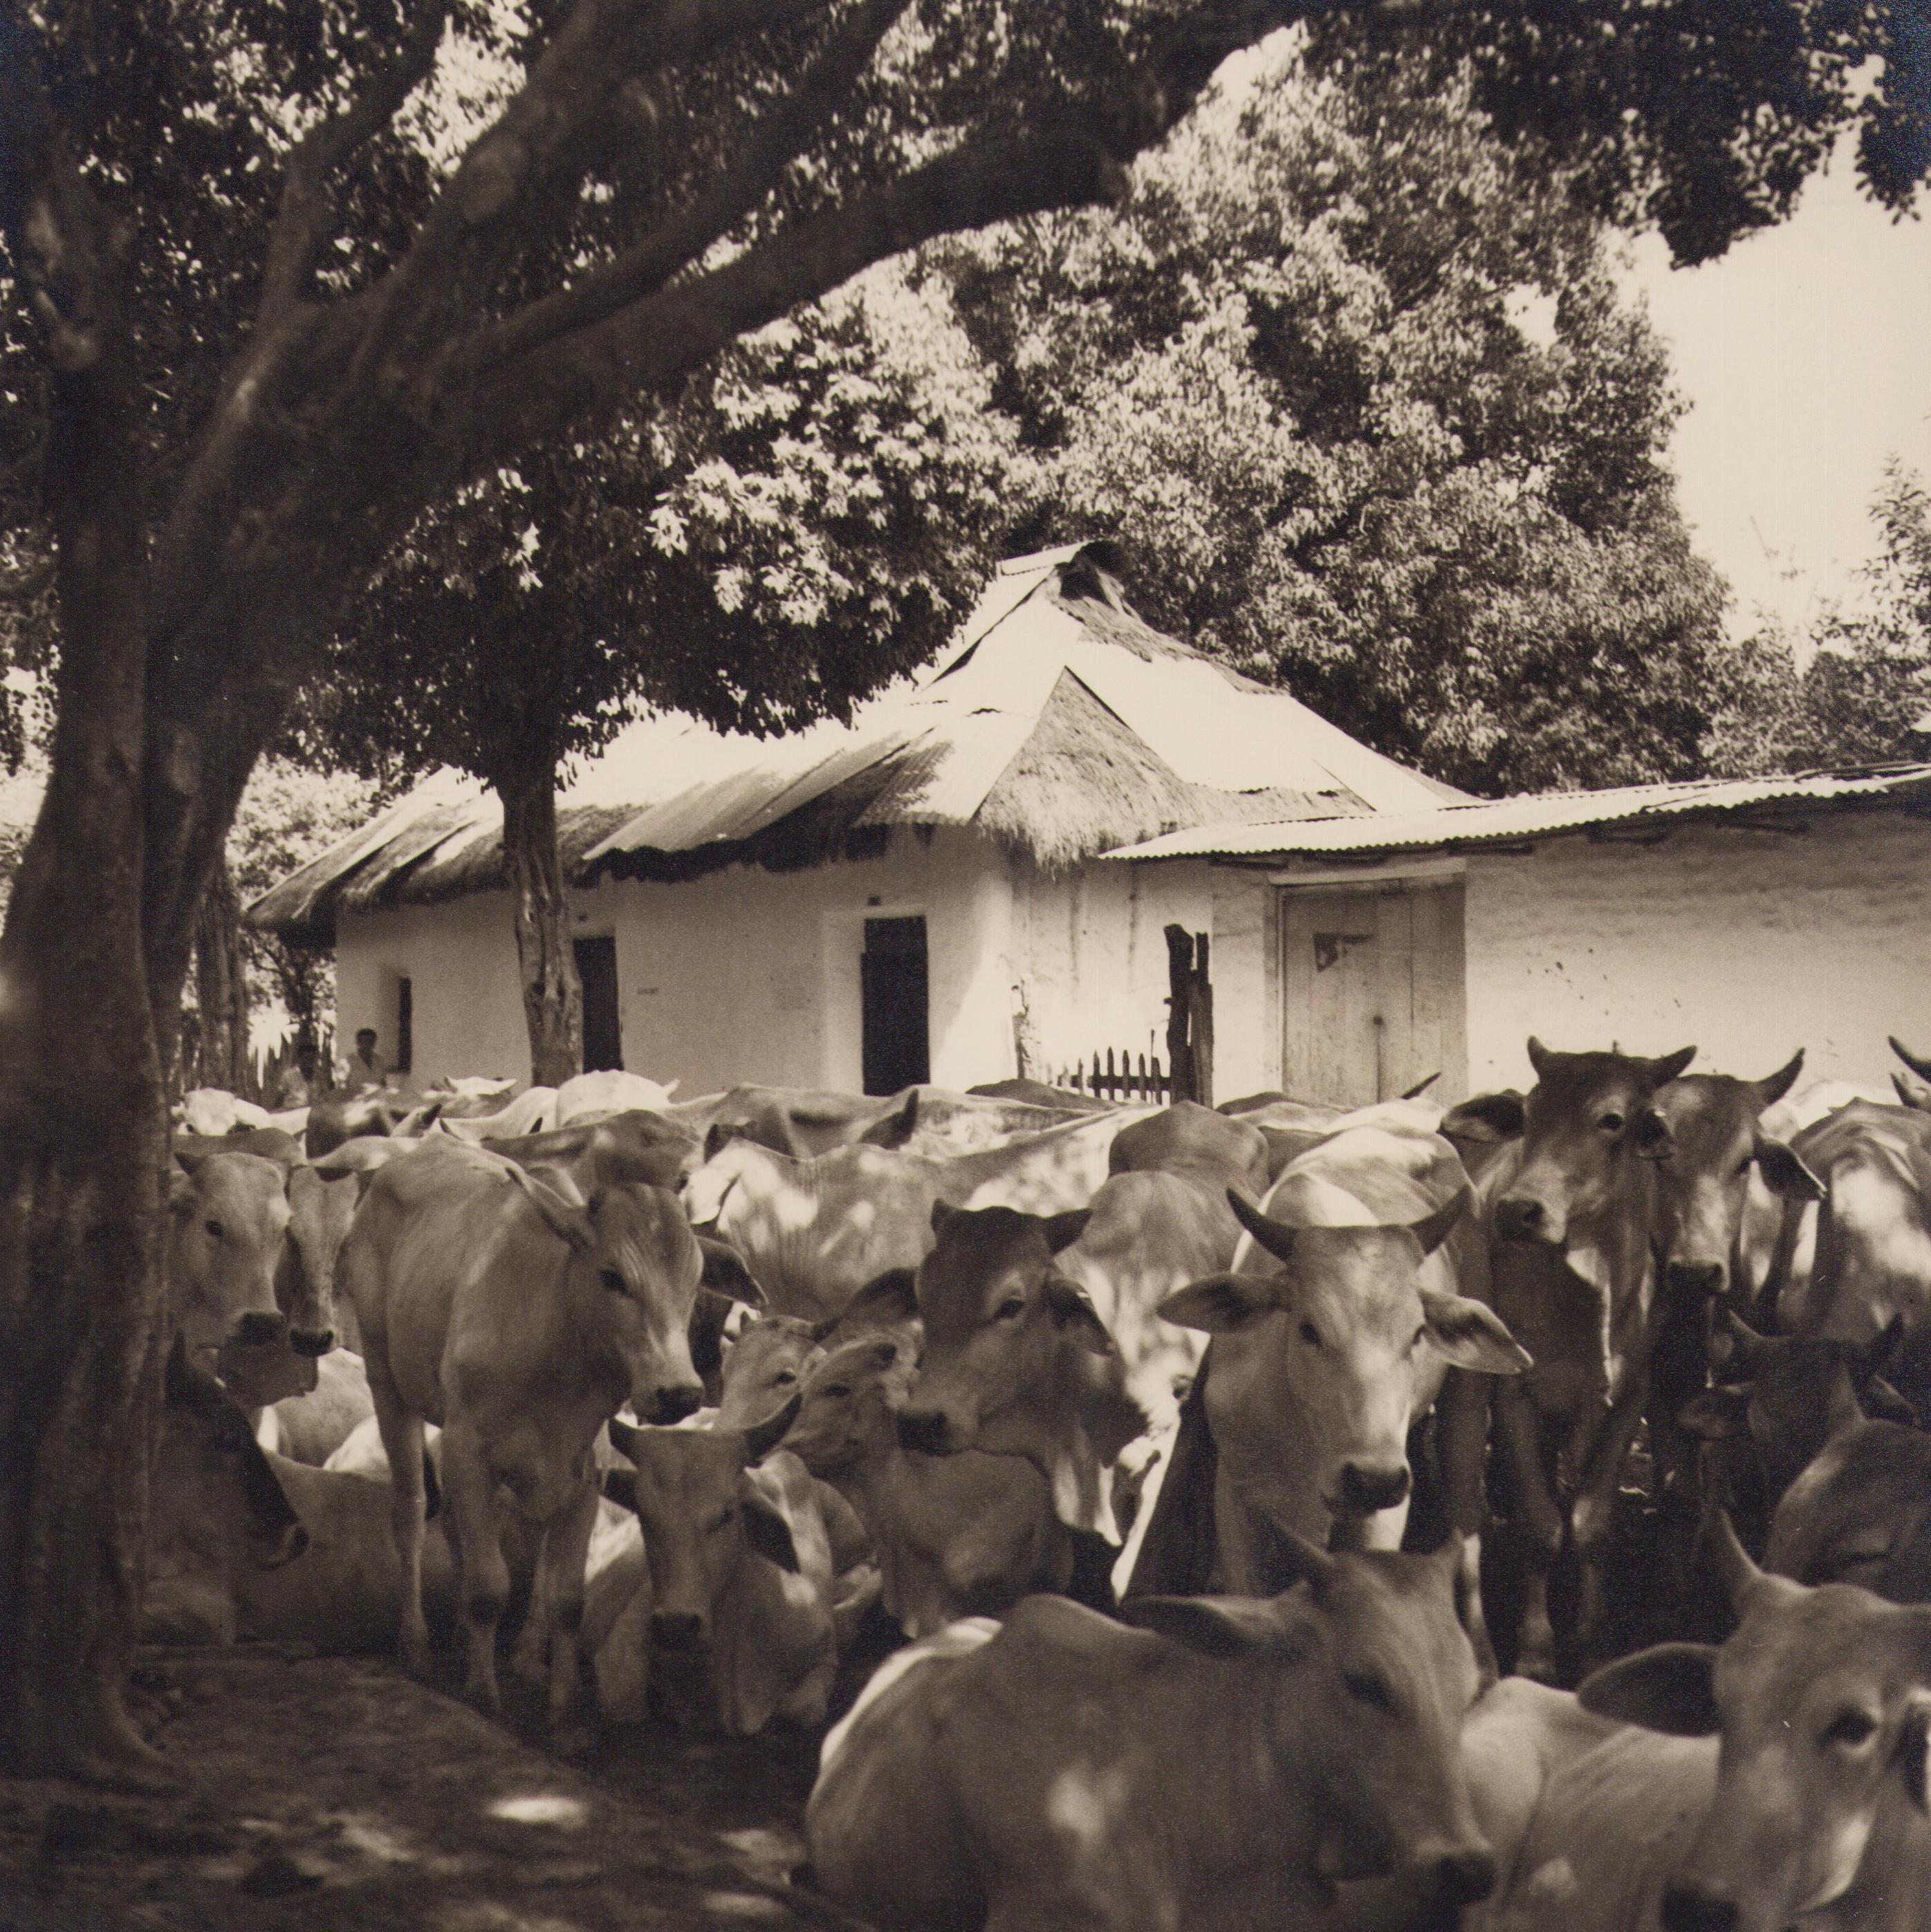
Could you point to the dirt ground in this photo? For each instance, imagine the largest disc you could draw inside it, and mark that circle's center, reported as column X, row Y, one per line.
column 338, row 1795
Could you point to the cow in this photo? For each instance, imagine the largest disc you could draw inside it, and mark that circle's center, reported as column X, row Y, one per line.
column 597, row 1095
column 813, row 1232
column 518, row 1321
column 1193, row 1141
column 227, row 1216
column 764, row 1369
column 961, row 1535
column 346, row 1117
column 727, row 1605
column 1569, row 1204
column 310, row 1428
column 532, row 1111
column 1860, row 1513
column 638, row 1145
column 1029, row 1774
column 1017, row 1360
column 1320, row 1364
column 1810, row 1810
column 1871, row 1259
column 801, row 1123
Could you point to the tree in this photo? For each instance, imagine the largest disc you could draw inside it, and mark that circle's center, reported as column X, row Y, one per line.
column 269, row 301
column 1855, row 691
column 1309, row 384
column 808, row 517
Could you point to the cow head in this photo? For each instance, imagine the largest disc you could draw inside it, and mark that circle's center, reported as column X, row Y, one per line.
column 635, row 1267
column 1348, row 1327
column 764, row 1369
column 1702, row 1132
column 1822, row 1698
column 320, row 1210
column 846, row 1414
column 1000, row 1320
column 228, row 1213
column 1577, row 1139
column 703, row 1517
column 1363, row 1673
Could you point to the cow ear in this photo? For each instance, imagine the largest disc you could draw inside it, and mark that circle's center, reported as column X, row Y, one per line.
column 1473, row 1336
column 1882, row 1403
column 1663, row 1071
column 942, row 1211
column 620, row 1487
column 1784, row 1171
column 1667, row 1688
column 896, row 1128
column 1433, row 1229
column 1487, row 1117
column 1211, row 1626
column 1220, row 1303
column 884, row 1302
column 1539, row 1055
column 726, row 1272
column 1915, row 1747
column 767, row 1530
column 762, row 1437
column 1063, row 1230
column 1716, row 1413
column 1072, row 1308
column 625, row 1437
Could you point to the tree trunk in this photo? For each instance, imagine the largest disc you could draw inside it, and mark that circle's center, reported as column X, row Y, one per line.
column 553, row 999
column 84, row 1139
column 221, row 988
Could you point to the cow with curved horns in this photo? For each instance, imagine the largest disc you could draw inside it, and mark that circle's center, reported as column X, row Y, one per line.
column 519, row 1322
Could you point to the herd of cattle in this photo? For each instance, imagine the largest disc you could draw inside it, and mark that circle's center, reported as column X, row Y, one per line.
column 1200, row 1463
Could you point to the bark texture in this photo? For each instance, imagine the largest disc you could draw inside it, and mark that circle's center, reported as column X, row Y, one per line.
column 221, row 988
column 552, row 996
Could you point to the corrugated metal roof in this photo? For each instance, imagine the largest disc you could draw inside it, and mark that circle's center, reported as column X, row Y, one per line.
column 1504, row 821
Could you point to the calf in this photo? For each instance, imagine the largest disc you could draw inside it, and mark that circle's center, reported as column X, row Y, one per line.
column 519, row 1323
column 962, row 1535
column 1860, row 1513
column 764, row 1369
column 1025, row 1777
column 731, row 1615
column 1017, row 1360
column 1812, row 1810
column 1571, row 1208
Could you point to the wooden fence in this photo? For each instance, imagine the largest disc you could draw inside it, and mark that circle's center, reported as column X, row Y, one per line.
column 1117, row 1076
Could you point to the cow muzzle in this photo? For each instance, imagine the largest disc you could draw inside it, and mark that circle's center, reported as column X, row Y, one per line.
column 926, row 1432
column 670, row 1402
column 316, row 1342
column 1522, row 1217
column 1367, row 1489
column 1692, row 1278
column 676, row 1629
column 255, row 1329
column 1690, row 1908
column 271, row 1549
column 1466, row 1877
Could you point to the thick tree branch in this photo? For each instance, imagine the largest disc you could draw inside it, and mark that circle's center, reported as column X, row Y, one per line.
column 587, row 378
column 300, row 226
column 779, row 139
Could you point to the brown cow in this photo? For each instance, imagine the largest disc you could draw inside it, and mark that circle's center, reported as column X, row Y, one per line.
column 1221, row 1767
column 1017, row 1360
column 1571, row 1209
column 962, row 1535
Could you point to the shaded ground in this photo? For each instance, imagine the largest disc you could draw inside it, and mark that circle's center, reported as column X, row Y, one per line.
column 336, row 1795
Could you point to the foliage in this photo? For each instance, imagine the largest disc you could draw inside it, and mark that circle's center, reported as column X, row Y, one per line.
column 1305, row 383
column 1855, row 691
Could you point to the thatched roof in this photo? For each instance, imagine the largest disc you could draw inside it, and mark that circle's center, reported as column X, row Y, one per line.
column 1057, row 721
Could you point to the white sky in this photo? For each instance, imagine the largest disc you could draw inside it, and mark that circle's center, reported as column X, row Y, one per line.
column 1805, row 353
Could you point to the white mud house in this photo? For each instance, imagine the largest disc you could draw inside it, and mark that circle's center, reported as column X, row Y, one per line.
column 919, row 895
column 973, row 879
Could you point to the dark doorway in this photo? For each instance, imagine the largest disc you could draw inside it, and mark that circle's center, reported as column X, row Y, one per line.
column 893, row 983
column 603, row 1037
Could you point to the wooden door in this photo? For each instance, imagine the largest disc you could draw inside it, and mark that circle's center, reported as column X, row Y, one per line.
column 1372, row 980
column 896, row 1023
column 603, row 1034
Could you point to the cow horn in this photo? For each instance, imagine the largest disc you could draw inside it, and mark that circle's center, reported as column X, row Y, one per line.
column 1920, row 1067
column 761, row 1438
column 1421, row 1086
column 1538, row 1054
column 1434, row 1228
column 1274, row 1236
column 1286, row 1558
column 1749, row 1344
column 1773, row 1086
column 1671, row 1065
column 1739, row 1576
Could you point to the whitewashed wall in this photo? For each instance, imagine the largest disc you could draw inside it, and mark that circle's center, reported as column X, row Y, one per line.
column 1748, row 943
column 744, row 975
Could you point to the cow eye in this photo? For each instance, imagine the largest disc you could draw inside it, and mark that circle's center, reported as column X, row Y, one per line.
column 1311, row 1335
column 612, row 1279
column 784, row 1378
column 1012, row 1308
column 1420, row 1335
column 1611, row 1122
column 1744, row 1166
column 724, row 1521
column 215, row 1229
column 1850, row 1728
column 840, row 1390
column 1370, row 1690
